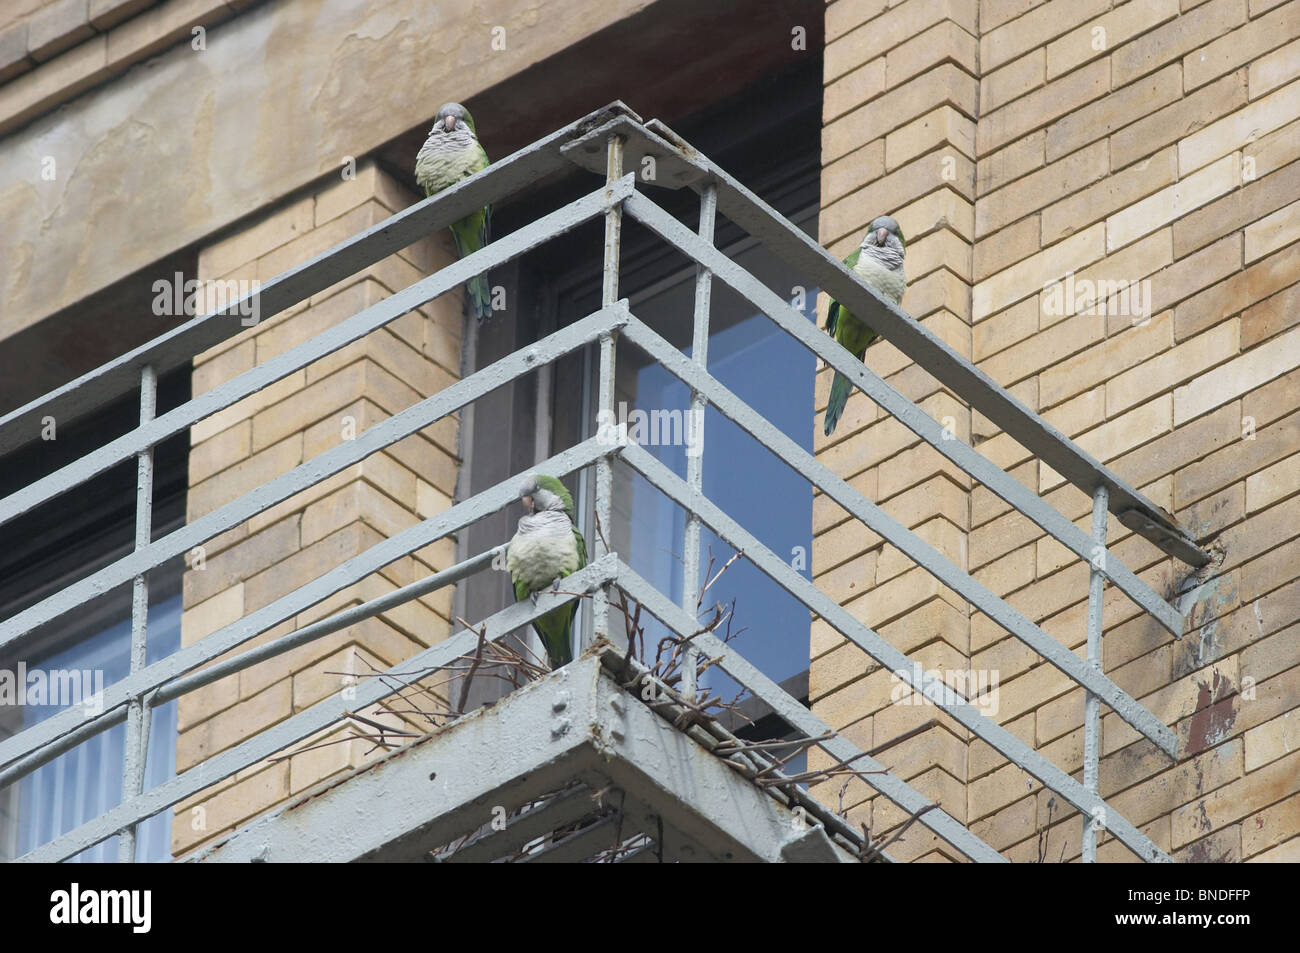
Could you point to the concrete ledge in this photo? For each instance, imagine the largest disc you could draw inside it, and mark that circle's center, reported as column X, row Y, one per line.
column 576, row 724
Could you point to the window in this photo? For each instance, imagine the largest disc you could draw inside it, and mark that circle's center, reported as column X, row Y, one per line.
column 553, row 409
column 43, row 551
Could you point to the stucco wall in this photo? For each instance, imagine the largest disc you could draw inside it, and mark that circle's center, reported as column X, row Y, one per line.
column 193, row 140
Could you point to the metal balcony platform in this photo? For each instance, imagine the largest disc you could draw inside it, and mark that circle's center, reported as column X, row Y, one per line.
column 603, row 775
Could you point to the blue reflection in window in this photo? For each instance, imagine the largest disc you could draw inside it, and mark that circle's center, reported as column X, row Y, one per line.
column 774, row 375
column 85, row 782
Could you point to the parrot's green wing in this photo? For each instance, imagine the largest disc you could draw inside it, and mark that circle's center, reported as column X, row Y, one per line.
column 582, row 548
column 471, row 233
column 554, row 627
column 833, row 313
column 521, row 590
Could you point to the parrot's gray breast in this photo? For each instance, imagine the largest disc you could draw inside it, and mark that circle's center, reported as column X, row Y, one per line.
column 543, row 548
column 445, row 159
column 882, row 277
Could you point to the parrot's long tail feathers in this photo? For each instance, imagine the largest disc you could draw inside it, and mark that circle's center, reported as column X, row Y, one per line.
column 468, row 235
column 840, row 389
column 553, row 629
column 480, row 296
column 559, row 651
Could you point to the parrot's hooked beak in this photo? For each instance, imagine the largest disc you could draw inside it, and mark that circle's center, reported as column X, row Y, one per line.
column 881, row 236
column 449, row 123
column 528, row 504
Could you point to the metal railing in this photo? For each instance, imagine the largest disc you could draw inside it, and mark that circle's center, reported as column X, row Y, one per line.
column 606, row 142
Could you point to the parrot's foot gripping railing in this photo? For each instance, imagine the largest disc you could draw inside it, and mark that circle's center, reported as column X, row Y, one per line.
column 606, row 142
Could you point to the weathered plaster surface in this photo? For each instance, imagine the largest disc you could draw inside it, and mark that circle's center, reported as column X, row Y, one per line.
column 189, row 142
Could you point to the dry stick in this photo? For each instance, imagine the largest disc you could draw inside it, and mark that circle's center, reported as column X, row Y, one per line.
column 724, row 568
column 418, row 688
column 618, row 831
column 532, row 660
column 1045, row 832
column 632, row 625
column 875, row 851
column 326, row 744
column 757, row 745
column 699, row 600
column 779, row 765
column 664, row 672
column 396, row 685
column 478, row 657
column 396, row 689
column 681, row 643
column 710, row 726
column 824, row 774
column 388, row 729
column 833, row 771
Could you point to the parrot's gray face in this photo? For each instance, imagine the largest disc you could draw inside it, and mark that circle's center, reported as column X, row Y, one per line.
column 537, row 498
column 527, row 494
column 544, row 499
column 884, row 243
column 452, row 117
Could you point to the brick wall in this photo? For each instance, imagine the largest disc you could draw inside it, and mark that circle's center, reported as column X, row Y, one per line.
column 296, row 541
column 1019, row 143
column 899, row 139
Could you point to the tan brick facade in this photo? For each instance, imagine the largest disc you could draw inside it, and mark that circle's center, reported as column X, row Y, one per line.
column 1021, row 142
column 301, row 538
column 920, row 117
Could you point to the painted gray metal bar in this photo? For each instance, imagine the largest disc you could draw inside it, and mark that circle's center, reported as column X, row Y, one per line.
column 136, row 747
column 178, row 346
column 403, row 424
column 578, row 846
column 870, row 642
column 911, row 545
column 750, row 212
column 911, row 416
column 974, row 386
column 330, row 624
column 43, row 754
column 326, row 342
column 315, row 719
column 558, row 811
column 695, row 425
column 683, row 622
column 45, row 734
column 1091, row 709
column 604, row 502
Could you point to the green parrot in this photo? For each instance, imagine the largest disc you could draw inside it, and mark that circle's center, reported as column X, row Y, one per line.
column 879, row 262
column 451, row 153
column 546, row 548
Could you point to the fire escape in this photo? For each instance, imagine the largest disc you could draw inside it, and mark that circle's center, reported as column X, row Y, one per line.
column 585, row 762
